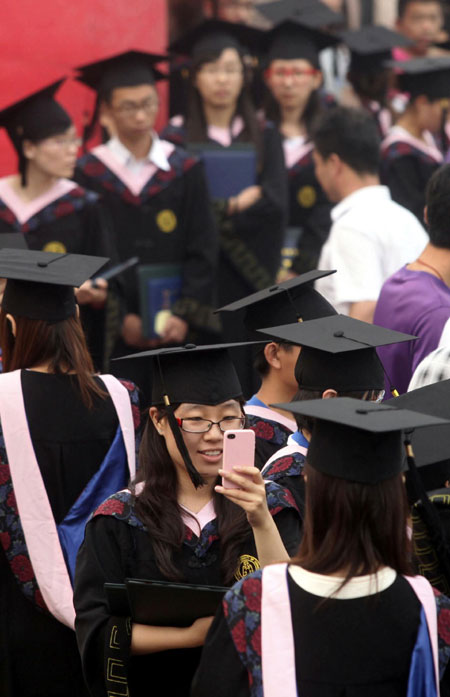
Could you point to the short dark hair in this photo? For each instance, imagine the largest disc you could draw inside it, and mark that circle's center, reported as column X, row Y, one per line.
column 304, row 395
column 351, row 134
column 404, row 4
column 260, row 363
column 438, row 207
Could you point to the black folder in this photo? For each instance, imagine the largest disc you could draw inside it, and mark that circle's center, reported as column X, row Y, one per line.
column 163, row 603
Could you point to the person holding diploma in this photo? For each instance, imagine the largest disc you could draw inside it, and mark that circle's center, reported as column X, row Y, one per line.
column 67, row 438
column 177, row 523
column 220, row 118
column 156, row 195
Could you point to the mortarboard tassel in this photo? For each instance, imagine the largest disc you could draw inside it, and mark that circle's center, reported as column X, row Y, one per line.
column 431, row 518
column 196, row 479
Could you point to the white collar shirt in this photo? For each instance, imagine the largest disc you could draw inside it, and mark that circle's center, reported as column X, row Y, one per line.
column 155, row 156
column 371, row 237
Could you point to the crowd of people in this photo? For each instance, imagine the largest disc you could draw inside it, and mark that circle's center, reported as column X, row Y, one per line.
column 272, row 267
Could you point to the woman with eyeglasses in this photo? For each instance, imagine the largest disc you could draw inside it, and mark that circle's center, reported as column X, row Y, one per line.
column 177, row 523
column 51, row 211
column 294, row 102
column 244, row 150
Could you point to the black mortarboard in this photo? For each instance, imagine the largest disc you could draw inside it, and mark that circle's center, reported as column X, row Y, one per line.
column 215, row 35
column 311, row 13
column 127, row 69
column 358, row 441
column 427, row 76
column 292, row 39
column 371, row 46
column 40, row 285
column 193, row 374
column 34, row 117
column 294, row 300
column 338, row 352
column 431, row 447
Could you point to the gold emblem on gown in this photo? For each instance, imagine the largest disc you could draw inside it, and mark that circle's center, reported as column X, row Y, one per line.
column 307, row 196
column 246, row 565
column 166, row 220
column 55, row 246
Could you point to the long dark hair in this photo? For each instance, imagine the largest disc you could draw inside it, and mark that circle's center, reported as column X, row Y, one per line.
column 196, row 126
column 352, row 526
column 313, row 109
column 60, row 344
column 157, row 506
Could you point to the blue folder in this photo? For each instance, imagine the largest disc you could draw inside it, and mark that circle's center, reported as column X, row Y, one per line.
column 228, row 170
column 160, row 287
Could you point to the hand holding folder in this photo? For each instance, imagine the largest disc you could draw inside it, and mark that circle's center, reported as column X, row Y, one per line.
column 161, row 603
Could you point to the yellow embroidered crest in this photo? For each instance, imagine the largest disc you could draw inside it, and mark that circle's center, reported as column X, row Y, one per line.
column 246, row 565
column 307, row 196
column 166, row 220
column 55, row 246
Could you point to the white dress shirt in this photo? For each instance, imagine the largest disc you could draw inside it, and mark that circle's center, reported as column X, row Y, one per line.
column 371, row 237
column 155, row 156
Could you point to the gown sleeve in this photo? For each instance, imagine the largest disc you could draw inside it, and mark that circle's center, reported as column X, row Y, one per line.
column 220, row 664
column 406, row 183
column 102, row 325
column 103, row 640
column 200, row 254
column 258, row 231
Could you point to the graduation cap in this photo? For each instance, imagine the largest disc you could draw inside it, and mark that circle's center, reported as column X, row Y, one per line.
column 311, row 13
column 294, row 300
column 214, row 36
column 371, row 46
column 338, row 352
column 292, row 39
column 424, row 76
column 431, row 447
column 40, row 285
column 359, row 441
column 34, row 117
column 127, row 69
column 193, row 374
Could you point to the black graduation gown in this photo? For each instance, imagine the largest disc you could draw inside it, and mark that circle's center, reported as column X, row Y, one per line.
column 271, row 435
column 170, row 222
column 250, row 242
column 309, row 212
column 406, row 170
column 117, row 547
column 73, row 223
column 39, row 655
column 351, row 647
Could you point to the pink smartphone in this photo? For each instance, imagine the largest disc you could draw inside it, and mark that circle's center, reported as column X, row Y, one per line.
column 238, row 450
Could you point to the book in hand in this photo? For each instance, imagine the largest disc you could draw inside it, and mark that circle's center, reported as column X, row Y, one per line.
column 163, row 603
column 159, row 288
column 228, row 170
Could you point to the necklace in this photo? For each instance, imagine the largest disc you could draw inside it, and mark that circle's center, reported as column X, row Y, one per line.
column 424, row 263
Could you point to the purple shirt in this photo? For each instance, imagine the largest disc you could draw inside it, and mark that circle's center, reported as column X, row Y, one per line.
column 414, row 302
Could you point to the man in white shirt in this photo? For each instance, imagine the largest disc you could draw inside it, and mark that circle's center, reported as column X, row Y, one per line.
column 371, row 236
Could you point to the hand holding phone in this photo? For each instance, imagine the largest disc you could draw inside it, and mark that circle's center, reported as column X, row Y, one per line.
column 238, row 451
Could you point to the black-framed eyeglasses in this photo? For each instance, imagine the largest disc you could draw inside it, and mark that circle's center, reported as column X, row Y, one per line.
column 198, row 425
